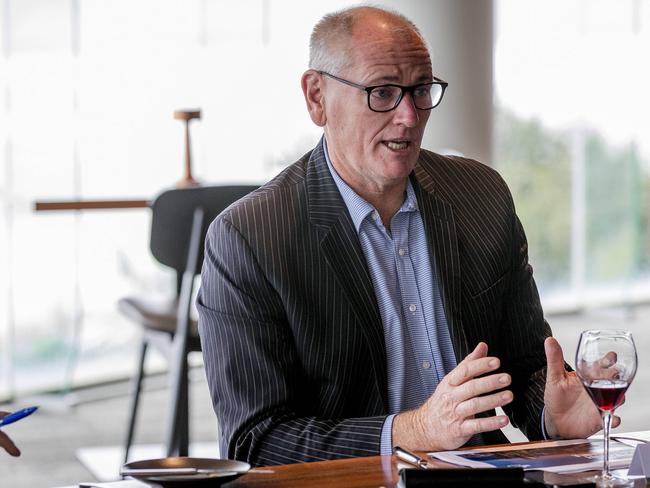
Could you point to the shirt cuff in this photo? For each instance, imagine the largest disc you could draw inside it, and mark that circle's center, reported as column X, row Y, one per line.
column 544, row 433
column 386, row 446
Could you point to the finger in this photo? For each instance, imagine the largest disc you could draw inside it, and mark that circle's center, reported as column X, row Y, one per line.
column 479, row 351
column 479, row 386
column 554, row 360
column 484, row 424
column 471, row 368
column 475, row 405
column 8, row 444
column 616, row 420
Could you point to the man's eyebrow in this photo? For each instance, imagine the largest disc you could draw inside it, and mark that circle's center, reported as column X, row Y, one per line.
column 389, row 78
column 426, row 78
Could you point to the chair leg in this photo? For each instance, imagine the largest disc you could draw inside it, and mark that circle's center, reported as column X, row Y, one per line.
column 177, row 425
column 184, row 419
column 178, row 434
column 135, row 398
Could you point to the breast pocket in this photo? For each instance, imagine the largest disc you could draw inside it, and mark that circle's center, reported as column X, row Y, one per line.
column 490, row 289
column 482, row 311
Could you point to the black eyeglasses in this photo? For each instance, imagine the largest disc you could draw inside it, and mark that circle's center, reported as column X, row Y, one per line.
column 384, row 98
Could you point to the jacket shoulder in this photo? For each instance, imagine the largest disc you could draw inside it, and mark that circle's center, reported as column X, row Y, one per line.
column 456, row 177
column 280, row 192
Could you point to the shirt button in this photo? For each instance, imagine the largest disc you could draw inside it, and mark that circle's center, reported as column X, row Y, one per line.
column 375, row 215
column 412, row 308
column 426, row 364
column 402, row 252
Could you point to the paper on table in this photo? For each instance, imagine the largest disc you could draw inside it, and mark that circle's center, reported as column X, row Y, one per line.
column 630, row 438
column 555, row 457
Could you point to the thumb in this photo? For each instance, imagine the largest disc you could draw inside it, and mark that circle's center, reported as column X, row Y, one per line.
column 554, row 360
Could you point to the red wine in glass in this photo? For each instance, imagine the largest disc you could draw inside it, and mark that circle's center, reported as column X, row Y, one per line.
column 607, row 394
column 606, row 362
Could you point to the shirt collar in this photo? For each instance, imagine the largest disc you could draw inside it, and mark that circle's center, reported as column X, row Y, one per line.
column 358, row 207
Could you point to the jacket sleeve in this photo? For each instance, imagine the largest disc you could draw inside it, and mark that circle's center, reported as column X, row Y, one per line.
column 253, row 368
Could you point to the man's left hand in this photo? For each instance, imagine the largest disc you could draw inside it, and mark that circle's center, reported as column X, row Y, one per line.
column 569, row 411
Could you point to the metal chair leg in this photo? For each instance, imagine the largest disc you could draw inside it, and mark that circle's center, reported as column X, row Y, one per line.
column 184, row 418
column 135, row 398
column 177, row 437
column 178, row 425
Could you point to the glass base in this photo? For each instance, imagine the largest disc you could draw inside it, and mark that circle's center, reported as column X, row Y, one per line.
column 610, row 481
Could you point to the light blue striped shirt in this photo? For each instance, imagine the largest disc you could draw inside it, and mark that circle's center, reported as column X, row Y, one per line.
column 419, row 351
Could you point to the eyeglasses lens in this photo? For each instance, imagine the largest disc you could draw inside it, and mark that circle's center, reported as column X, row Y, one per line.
column 386, row 97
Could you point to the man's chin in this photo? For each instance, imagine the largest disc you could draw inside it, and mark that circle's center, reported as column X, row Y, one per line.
column 400, row 167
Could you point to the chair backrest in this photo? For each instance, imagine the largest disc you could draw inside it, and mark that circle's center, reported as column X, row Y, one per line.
column 172, row 217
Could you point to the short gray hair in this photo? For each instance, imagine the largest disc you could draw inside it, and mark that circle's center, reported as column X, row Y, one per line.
column 329, row 47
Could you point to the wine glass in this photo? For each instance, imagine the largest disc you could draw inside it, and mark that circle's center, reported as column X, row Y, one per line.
column 606, row 363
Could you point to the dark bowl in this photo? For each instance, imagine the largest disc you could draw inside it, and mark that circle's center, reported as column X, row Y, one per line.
column 220, row 471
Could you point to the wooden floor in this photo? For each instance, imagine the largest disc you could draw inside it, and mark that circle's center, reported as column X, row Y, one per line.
column 50, row 438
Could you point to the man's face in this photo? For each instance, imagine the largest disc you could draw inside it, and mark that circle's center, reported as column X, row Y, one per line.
column 373, row 151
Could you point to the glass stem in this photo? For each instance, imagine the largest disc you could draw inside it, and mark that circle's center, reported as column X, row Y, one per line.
column 607, row 424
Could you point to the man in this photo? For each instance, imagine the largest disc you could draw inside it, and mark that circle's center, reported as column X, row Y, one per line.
column 5, row 441
column 349, row 305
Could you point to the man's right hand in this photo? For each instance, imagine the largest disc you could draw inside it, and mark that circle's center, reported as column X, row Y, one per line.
column 6, row 442
column 446, row 420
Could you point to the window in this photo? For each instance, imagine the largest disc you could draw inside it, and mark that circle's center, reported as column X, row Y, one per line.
column 88, row 94
column 572, row 140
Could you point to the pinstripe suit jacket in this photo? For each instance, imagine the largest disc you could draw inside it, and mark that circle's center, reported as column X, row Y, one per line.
column 290, row 329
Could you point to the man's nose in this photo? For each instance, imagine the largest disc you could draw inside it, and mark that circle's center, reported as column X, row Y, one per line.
column 405, row 112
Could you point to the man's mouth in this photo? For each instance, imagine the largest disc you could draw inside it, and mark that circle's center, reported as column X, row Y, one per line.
column 397, row 145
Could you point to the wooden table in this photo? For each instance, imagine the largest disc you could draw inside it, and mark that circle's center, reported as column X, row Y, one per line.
column 40, row 206
column 366, row 472
column 371, row 471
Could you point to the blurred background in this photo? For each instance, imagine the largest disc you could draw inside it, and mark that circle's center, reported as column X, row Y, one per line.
column 552, row 93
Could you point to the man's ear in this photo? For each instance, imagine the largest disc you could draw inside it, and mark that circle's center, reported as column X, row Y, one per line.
column 312, row 88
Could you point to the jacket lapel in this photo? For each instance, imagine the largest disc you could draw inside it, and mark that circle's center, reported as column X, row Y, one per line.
column 342, row 250
column 438, row 218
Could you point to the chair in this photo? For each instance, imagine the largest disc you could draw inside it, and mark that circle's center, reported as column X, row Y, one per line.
column 180, row 219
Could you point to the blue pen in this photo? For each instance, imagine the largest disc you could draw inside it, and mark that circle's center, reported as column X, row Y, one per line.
column 15, row 416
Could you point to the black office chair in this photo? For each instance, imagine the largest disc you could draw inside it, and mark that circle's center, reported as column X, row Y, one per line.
column 180, row 219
